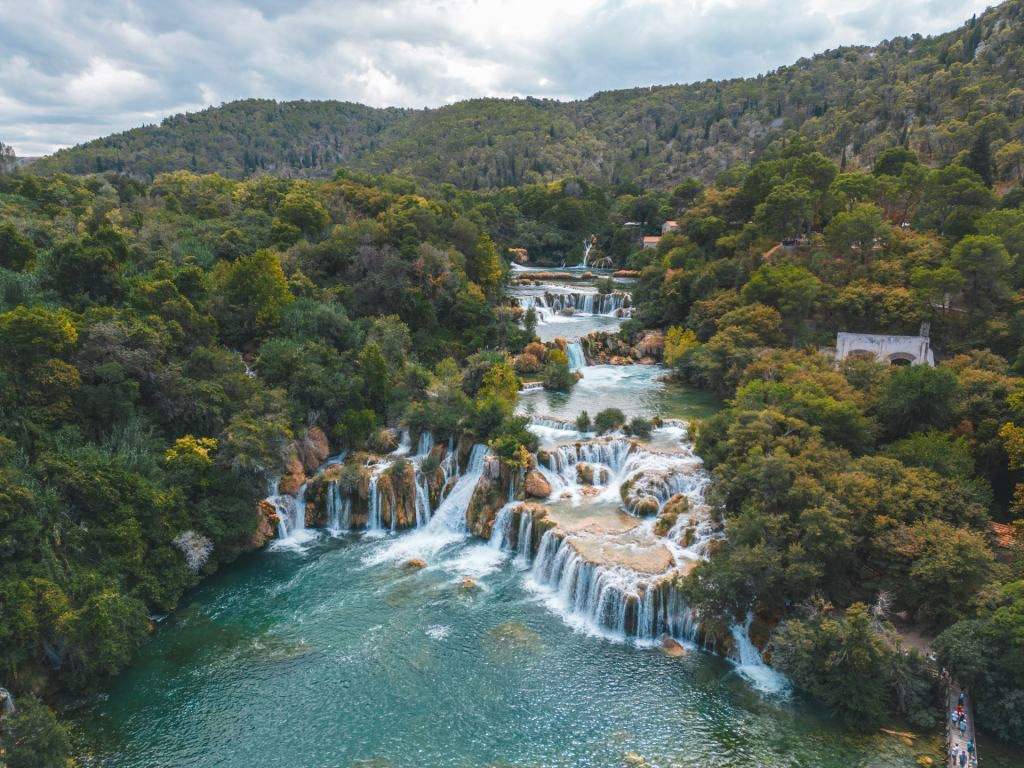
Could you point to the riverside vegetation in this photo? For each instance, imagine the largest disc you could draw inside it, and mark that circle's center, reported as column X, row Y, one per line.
column 167, row 346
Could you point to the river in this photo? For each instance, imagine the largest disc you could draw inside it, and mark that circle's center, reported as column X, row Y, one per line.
column 327, row 651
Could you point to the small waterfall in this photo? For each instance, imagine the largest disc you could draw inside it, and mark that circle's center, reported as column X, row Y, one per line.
column 749, row 662
column 373, row 522
column 291, row 511
column 451, row 513
column 6, row 703
column 588, row 243
column 524, row 538
column 501, row 532
column 577, row 360
column 532, row 386
column 404, row 444
column 339, row 510
column 425, row 445
column 422, row 501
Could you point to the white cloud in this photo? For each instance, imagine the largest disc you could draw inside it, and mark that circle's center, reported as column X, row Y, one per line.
column 74, row 70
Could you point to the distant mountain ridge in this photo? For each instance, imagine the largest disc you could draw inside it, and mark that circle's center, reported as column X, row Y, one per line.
column 931, row 94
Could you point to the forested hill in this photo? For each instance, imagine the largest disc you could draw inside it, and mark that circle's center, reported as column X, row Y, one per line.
column 933, row 94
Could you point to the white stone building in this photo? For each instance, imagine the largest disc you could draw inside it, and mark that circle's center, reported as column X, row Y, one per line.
column 894, row 350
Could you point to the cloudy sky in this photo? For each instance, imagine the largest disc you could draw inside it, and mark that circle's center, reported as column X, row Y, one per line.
column 73, row 70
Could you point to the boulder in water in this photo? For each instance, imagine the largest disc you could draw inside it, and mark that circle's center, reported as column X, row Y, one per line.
column 671, row 647
column 536, row 485
column 414, row 564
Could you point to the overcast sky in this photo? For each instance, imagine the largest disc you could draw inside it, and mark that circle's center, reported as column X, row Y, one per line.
column 73, row 70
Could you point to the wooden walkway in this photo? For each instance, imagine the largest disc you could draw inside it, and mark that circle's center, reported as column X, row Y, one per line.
column 955, row 742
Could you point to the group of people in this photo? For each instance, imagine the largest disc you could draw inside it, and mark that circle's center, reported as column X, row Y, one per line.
column 961, row 757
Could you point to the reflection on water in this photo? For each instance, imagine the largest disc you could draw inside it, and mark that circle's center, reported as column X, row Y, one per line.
column 637, row 390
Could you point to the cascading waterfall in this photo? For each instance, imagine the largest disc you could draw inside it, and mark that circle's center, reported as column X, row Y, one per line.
column 611, row 601
column 549, row 303
column 291, row 511
column 425, row 445
column 524, row 538
column 577, row 360
column 588, row 243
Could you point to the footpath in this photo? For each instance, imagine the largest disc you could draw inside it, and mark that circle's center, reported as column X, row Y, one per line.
column 957, row 741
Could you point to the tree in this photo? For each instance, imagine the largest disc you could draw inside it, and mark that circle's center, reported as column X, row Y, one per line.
column 939, row 568
column 250, row 295
column 980, row 159
column 1010, row 160
column 839, row 661
column 891, row 162
column 789, row 288
column 855, row 232
column 32, row 737
column 16, row 250
column 983, row 262
column 7, row 159
column 916, row 397
column 302, row 209
column 785, row 212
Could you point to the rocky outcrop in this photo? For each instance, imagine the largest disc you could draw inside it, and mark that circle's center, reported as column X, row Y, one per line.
column 294, row 476
column 535, row 485
column 266, row 524
column 669, row 515
column 312, row 449
column 605, row 348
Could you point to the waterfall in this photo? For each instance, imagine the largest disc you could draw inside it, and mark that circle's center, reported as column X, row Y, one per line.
column 577, row 360
column 613, row 602
column 749, row 662
column 6, row 703
column 373, row 518
column 339, row 510
column 404, row 444
column 291, row 511
column 524, row 537
column 451, row 513
column 425, row 445
column 422, row 501
column 501, row 532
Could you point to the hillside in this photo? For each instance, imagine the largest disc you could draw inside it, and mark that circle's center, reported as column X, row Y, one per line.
column 930, row 93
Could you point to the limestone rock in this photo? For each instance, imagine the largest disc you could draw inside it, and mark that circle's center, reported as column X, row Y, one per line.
column 293, row 478
column 312, row 449
column 266, row 524
column 671, row 647
column 414, row 564
column 536, row 485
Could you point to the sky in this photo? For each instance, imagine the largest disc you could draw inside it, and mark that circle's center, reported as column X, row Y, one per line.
column 71, row 71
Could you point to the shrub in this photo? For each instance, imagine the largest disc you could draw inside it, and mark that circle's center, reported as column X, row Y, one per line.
column 608, row 420
column 583, row 422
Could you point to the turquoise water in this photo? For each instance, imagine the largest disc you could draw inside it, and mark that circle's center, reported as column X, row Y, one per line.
column 637, row 390
column 316, row 660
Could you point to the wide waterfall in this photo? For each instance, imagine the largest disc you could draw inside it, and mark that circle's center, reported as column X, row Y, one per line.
column 549, row 304
column 614, row 602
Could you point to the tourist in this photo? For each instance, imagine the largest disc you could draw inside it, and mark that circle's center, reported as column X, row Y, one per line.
column 962, row 700
column 970, row 746
column 963, row 726
column 963, row 758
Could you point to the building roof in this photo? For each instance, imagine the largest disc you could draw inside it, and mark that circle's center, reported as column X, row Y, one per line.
column 652, row 238
column 1004, row 534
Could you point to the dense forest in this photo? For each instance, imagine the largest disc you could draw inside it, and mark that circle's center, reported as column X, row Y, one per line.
column 166, row 350
column 933, row 95
column 858, row 493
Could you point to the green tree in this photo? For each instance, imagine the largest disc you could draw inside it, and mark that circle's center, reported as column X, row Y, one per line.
column 250, row 295
column 785, row 212
column 33, row 738
column 916, row 397
column 855, row 233
column 16, row 250
column 983, row 262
